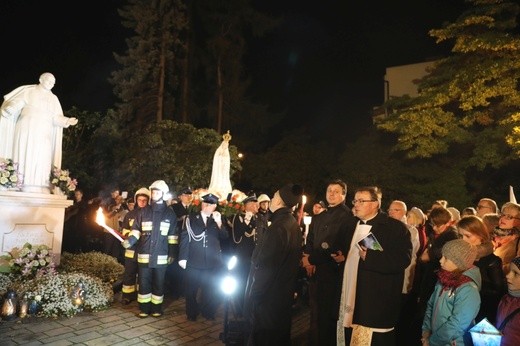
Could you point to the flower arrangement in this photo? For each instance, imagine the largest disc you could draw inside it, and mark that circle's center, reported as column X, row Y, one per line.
column 52, row 294
column 61, row 179
column 29, row 261
column 234, row 205
column 9, row 175
column 227, row 208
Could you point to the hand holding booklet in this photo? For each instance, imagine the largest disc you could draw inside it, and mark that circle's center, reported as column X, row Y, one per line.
column 370, row 242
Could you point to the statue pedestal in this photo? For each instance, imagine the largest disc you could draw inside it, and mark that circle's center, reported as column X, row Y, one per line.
column 33, row 218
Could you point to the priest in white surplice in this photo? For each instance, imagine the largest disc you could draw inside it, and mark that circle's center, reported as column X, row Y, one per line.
column 373, row 277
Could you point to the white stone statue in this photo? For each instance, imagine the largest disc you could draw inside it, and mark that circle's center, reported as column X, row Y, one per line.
column 31, row 132
column 220, row 181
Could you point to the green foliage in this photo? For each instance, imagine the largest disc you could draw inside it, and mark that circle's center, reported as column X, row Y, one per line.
column 83, row 149
column 180, row 154
column 93, row 263
column 370, row 161
column 148, row 80
column 471, row 98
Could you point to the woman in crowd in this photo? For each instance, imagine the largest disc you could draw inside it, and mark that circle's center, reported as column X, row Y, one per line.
column 506, row 237
column 472, row 230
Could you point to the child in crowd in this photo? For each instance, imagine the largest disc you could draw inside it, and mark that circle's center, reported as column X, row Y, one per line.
column 455, row 301
column 509, row 307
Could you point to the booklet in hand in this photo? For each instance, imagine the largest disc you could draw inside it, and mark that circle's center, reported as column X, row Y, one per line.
column 370, row 242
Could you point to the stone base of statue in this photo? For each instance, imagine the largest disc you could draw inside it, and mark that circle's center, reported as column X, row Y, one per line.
column 35, row 218
column 36, row 189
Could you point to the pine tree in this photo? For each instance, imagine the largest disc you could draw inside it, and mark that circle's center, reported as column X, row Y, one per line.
column 147, row 84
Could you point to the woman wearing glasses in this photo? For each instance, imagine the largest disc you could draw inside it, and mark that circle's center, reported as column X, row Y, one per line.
column 506, row 236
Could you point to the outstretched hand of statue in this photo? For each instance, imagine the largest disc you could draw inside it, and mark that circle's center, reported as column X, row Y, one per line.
column 72, row 121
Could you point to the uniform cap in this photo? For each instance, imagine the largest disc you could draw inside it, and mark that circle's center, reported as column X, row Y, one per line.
column 185, row 191
column 250, row 198
column 210, row 198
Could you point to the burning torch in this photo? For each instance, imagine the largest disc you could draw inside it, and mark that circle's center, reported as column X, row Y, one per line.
column 100, row 220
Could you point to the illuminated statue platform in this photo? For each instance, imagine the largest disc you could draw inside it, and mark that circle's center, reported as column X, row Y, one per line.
column 32, row 218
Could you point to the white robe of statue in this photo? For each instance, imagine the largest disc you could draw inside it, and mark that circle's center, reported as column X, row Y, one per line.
column 220, row 181
column 38, row 132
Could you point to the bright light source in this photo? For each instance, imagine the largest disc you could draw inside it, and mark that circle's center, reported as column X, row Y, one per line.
column 240, row 156
column 307, row 220
column 229, row 285
column 232, row 262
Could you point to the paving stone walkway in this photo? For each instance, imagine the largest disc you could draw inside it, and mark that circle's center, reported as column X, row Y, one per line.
column 119, row 326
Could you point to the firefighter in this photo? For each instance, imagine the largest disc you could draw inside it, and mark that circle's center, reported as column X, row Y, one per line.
column 155, row 234
column 141, row 199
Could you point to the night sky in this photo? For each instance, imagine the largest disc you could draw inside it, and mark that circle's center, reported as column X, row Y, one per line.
column 326, row 61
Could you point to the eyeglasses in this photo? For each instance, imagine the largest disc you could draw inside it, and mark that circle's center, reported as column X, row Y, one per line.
column 509, row 217
column 483, row 206
column 363, row 201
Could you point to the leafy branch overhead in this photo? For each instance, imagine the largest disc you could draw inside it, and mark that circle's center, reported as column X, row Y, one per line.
column 470, row 101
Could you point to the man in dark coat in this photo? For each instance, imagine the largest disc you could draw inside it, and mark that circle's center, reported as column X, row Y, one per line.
column 274, row 268
column 327, row 244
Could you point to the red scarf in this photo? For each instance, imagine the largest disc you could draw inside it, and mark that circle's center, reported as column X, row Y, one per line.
column 451, row 280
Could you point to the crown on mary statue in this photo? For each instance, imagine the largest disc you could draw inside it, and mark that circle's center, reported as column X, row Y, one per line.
column 226, row 136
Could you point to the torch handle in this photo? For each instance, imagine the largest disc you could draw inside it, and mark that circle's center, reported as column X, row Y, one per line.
column 114, row 232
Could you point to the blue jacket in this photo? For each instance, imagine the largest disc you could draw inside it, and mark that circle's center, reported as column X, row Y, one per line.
column 450, row 314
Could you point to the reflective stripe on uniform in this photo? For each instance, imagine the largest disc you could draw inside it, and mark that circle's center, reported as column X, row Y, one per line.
column 144, row 298
column 162, row 259
column 173, row 239
column 128, row 289
column 147, row 226
column 129, row 253
column 143, row 258
column 157, row 299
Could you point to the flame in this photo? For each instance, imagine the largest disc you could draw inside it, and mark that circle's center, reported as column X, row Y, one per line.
column 304, row 199
column 100, row 218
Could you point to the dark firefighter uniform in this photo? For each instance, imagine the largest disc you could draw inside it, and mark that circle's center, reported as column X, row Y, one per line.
column 130, row 275
column 155, row 234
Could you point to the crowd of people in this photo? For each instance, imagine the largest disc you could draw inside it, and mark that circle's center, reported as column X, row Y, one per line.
column 424, row 278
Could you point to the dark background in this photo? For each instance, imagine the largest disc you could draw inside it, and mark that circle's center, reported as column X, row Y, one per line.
column 324, row 65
